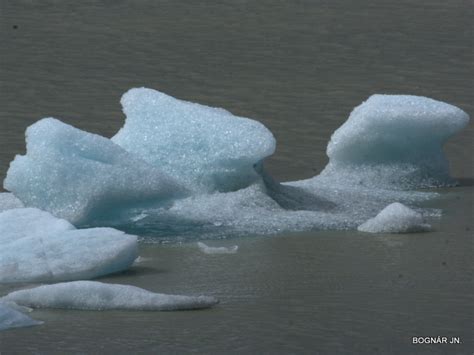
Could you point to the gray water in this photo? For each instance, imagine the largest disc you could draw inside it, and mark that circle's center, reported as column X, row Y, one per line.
column 299, row 67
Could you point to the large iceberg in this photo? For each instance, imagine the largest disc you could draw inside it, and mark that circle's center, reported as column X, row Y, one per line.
column 10, row 317
column 93, row 295
column 81, row 176
column 35, row 246
column 394, row 141
column 205, row 148
column 182, row 169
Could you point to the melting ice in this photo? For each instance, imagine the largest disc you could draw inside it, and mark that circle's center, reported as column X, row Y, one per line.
column 183, row 170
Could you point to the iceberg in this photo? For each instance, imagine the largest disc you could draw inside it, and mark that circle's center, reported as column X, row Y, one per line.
column 178, row 168
column 93, row 295
column 10, row 317
column 37, row 247
column 207, row 149
column 81, row 177
column 394, row 142
column 395, row 218
column 217, row 250
column 8, row 201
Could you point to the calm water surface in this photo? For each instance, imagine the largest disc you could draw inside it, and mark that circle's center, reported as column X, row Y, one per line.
column 299, row 67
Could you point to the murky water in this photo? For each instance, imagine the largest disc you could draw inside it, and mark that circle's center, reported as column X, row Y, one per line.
column 299, row 67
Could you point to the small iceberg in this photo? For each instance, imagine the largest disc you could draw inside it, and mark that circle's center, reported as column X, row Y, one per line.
column 11, row 317
column 81, row 177
column 394, row 142
column 395, row 218
column 93, row 295
column 204, row 148
column 217, row 250
column 37, row 247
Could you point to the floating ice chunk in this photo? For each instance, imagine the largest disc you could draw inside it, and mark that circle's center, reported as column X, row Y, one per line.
column 394, row 141
column 13, row 318
column 8, row 201
column 35, row 246
column 395, row 218
column 206, row 148
column 27, row 222
column 217, row 250
column 92, row 295
column 81, row 176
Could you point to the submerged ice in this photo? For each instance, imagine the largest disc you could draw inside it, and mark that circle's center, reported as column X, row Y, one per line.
column 11, row 317
column 180, row 169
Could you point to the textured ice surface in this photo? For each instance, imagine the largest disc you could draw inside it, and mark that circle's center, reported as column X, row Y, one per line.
column 395, row 218
column 181, row 171
column 93, row 295
column 12, row 318
column 35, row 246
column 206, row 148
column 217, row 250
column 81, row 176
column 8, row 201
column 394, row 141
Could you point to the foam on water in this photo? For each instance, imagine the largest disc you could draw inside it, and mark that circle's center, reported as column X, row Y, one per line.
column 93, row 295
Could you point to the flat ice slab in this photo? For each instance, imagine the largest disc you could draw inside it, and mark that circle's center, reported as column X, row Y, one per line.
column 93, row 295
column 395, row 218
column 217, row 250
column 35, row 246
column 13, row 318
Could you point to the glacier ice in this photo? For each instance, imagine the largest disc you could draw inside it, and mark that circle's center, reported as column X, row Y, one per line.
column 207, row 149
column 8, row 201
column 394, row 141
column 395, row 218
column 81, row 176
column 179, row 169
column 93, row 295
column 206, row 249
column 10, row 317
column 35, row 246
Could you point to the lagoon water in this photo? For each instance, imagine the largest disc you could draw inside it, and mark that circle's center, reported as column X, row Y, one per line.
column 298, row 67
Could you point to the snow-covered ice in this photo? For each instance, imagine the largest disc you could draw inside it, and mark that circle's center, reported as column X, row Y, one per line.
column 217, row 250
column 35, row 246
column 93, row 295
column 396, row 218
column 11, row 317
